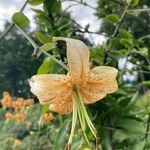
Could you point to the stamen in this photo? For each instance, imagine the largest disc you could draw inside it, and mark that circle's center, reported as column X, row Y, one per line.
column 74, row 121
column 86, row 117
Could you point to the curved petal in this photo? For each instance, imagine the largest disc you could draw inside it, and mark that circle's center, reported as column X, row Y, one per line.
column 103, row 74
column 52, row 89
column 77, row 56
column 62, row 105
column 102, row 81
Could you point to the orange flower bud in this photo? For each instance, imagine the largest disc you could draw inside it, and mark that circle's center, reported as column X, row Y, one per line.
column 18, row 104
column 17, row 142
column 48, row 117
column 7, row 100
column 5, row 94
column 29, row 102
column 20, row 117
column 6, row 103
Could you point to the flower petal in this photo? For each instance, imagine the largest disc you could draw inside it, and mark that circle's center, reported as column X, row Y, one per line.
column 51, row 88
column 103, row 74
column 77, row 55
column 102, row 81
column 62, row 105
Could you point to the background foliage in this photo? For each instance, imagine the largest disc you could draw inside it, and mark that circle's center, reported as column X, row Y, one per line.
column 122, row 118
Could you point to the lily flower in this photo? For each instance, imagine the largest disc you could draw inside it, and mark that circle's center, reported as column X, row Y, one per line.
column 81, row 85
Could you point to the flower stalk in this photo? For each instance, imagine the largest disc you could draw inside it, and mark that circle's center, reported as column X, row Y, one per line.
column 79, row 110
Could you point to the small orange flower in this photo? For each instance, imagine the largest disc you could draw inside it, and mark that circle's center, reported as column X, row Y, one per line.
column 17, row 142
column 9, row 116
column 29, row 102
column 6, row 94
column 7, row 100
column 18, row 104
column 7, row 103
column 20, row 117
column 48, row 117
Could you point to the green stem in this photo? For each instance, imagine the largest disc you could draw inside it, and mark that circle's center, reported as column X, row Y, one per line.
column 36, row 47
column 28, row 38
column 12, row 25
column 89, row 122
column 74, row 120
column 82, row 123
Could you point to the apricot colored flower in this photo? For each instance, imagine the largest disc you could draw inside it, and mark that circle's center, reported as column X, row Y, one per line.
column 9, row 116
column 20, row 117
column 48, row 117
column 18, row 104
column 29, row 102
column 56, row 90
column 17, row 142
column 6, row 100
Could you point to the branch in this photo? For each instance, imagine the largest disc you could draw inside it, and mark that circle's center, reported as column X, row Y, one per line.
column 12, row 25
column 116, row 31
column 144, row 37
column 117, row 2
column 86, row 31
column 138, row 10
column 85, row 4
column 37, row 49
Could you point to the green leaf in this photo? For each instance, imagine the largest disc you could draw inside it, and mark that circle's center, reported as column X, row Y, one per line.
column 125, row 34
column 52, row 6
column 128, row 1
column 139, row 145
column 132, row 101
column 35, row 2
column 45, row 109
column 112, row 18
column 143, row 51
column 147, row 83
column 120, row 135
column 126, row 42
column 119, row 53
column 135, row 2
column 78, row 142
column 20, row 20
column 48, row 46
column 42, row 37
column 133, row 60
column 62, row 136
column 46, row 66
column 131, row 125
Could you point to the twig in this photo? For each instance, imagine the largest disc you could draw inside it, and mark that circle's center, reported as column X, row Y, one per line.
column 67, row 8
column 116, row 31
column 37, row 49
column 118, row 2
column 144, row 37
column 121, row 21
column 86, row 31
column 12, row 25
column 6, row 31
column 85, row 4
column 138, row 10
